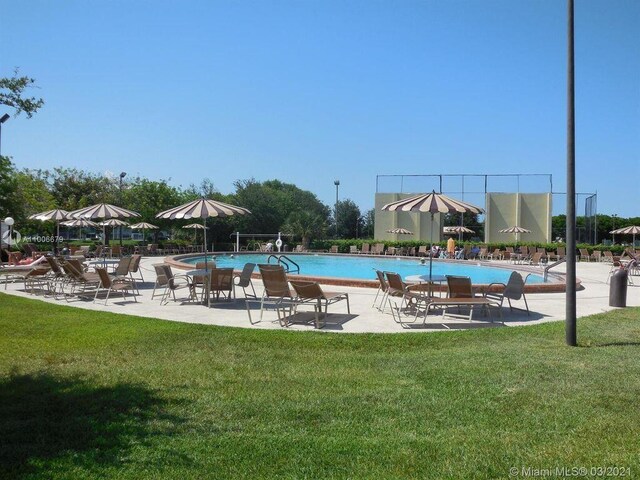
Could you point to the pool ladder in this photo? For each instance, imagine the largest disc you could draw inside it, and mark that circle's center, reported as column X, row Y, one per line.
column 289, row 265
column 549, row 267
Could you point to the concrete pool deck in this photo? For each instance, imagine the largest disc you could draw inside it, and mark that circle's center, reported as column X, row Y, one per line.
column 592, row 298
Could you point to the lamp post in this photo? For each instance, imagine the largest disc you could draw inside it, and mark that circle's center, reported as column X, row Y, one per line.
column 9, row 222
column 122, row 175
column 337, row 184
column 3, row 119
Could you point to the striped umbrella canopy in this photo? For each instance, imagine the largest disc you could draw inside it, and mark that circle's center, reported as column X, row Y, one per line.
column 143, row 226
column 103, row 210
column 457, row 229
column 515, row 229
column 80, row 222
column 631, row 230
column 114, row 222
column 57, row 214
column 431, row 203
column 400, row 231
column 196, row 226
column 203, row 208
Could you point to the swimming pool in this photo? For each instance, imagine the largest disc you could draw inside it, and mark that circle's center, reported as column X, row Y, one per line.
column 362, row 267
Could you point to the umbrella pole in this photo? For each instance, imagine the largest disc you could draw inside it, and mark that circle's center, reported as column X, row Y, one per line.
column 204, row 222
column 431, row 254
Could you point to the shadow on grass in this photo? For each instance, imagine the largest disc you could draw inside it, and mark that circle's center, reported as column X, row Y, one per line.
column 69, row 421
column 609, row 344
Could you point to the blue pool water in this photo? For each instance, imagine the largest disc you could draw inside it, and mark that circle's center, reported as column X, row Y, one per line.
column 362, row 267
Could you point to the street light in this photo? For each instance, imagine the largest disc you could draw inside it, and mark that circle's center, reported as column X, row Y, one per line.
column 3, row 119
column 337, row 184
column 122, row 175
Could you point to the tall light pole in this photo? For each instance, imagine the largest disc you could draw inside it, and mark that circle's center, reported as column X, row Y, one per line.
column 337, row 184
column 122, row 175
column 571, row 337
column 3, row 119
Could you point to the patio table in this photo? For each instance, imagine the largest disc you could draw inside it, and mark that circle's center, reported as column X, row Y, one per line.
column 207, row 282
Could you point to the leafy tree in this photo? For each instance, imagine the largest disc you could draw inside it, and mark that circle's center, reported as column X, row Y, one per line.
column 35, row 197
column 271, row 203
column 368, row 223
column 349, row 219
column 73, row 188
column 9, row 201
column 149, row 197
column 12, row 94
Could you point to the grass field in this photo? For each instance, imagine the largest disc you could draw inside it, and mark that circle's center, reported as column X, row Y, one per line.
column 86, row 394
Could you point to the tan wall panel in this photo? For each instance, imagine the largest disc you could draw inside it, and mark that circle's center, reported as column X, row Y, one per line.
column 528, row 210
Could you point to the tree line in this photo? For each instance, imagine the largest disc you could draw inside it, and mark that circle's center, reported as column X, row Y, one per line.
column 275, row 206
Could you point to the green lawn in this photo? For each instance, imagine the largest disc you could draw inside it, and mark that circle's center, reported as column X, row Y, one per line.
column 98, row 395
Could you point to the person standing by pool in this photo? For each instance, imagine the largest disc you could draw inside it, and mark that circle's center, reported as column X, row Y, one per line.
column 451, row 247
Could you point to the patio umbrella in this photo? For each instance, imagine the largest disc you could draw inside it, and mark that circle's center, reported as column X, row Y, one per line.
column 400, row 231
column 195, row 226
column 105, row 211
column 143, row 226
column 203, row 208
column 112, row 222
column 58, row 214
column 516, row 230
column 631, row 230
column 457, row 229
column 80, row 222
column 431, row 203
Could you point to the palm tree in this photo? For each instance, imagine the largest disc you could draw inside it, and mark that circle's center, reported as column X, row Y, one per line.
column 305, row 225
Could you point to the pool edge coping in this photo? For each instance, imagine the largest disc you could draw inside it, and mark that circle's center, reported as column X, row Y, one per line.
column 558, row 286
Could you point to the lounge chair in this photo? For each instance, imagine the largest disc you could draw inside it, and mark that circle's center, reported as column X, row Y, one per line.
column 382, row 288
column 276, row 292
column 312, row 293
column 114, row 284
column 460, row 295
column 78, row 281
column 171, row 283
column 353, row 249
column 333, row 249
column 56, row 277
column 243, row 280
column 222, row 283
column 134, row 266
column 596, row 256
column 608, row 256
column 403, row 294
column 513, row 290
column 584, row 255
column 366, row 249
column 537, row 259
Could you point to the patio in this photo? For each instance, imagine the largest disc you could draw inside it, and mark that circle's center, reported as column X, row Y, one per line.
column 545, row 307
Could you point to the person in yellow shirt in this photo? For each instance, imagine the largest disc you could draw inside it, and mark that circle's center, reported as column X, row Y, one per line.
column 451, row 247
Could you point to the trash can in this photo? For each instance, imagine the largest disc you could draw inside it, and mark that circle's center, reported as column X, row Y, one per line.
column 618, row 288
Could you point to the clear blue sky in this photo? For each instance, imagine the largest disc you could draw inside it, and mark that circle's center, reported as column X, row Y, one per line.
column 310, row 91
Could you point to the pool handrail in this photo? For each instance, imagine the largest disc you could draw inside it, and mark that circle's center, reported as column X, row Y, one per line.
column 284, row 261
column 549, row 267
